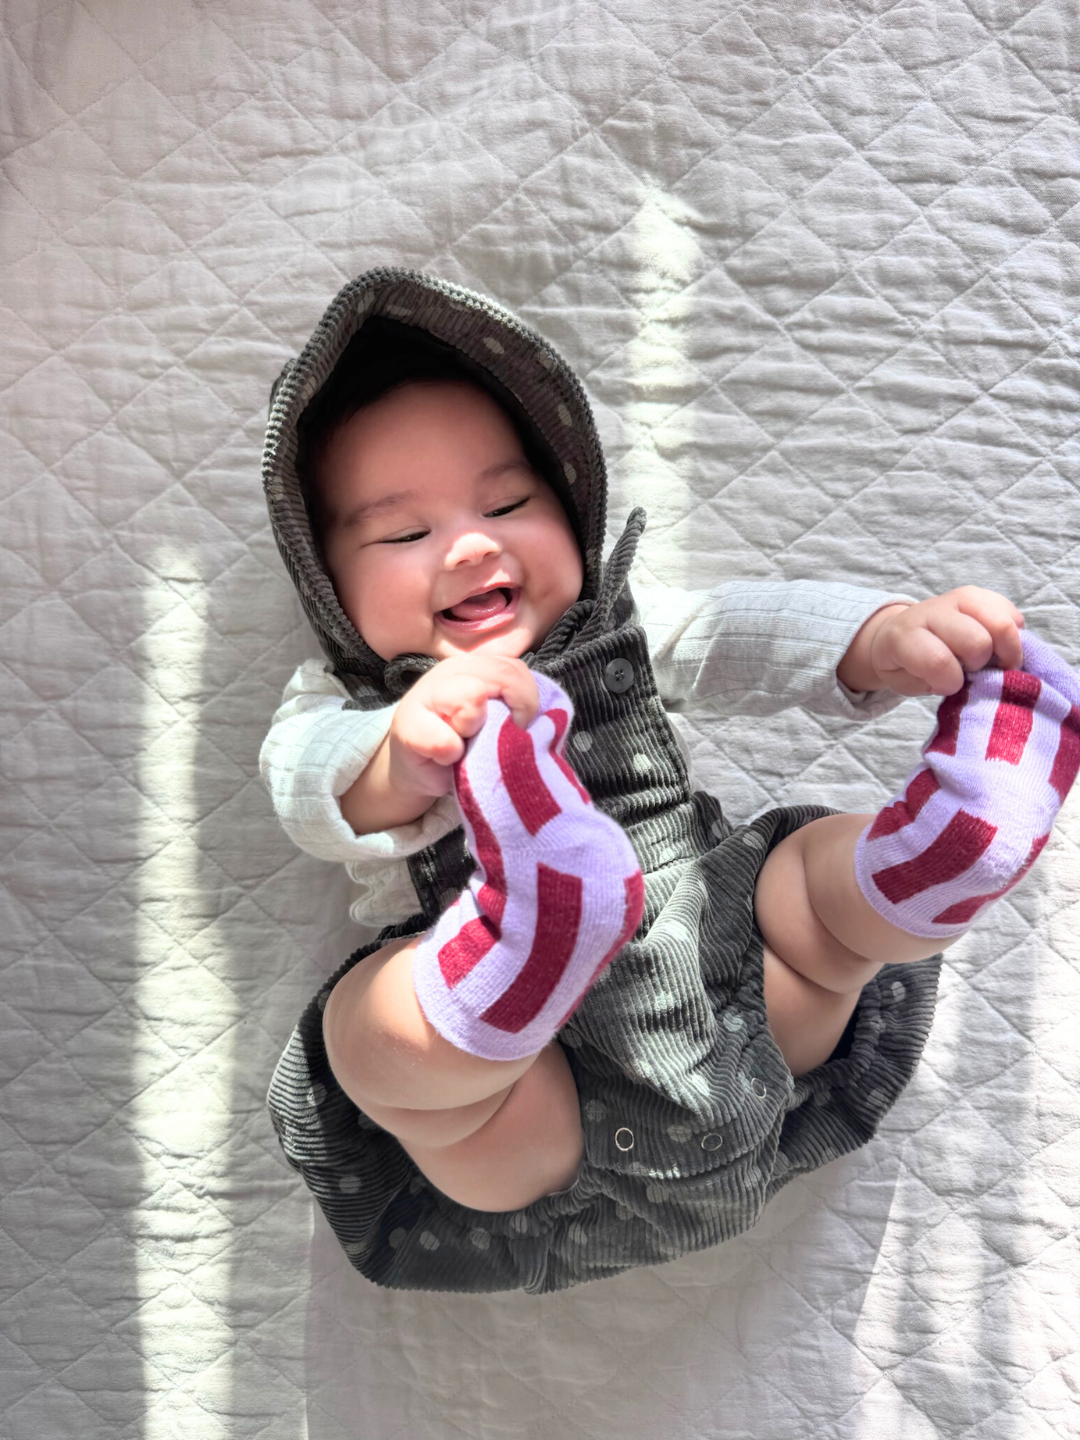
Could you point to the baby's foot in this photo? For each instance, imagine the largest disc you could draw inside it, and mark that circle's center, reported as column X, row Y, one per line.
column 556, row 895
column 976, row 814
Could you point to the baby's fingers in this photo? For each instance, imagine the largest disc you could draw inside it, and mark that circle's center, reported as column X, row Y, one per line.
column 1001, row 620
column 922, row 663
column 428, row 736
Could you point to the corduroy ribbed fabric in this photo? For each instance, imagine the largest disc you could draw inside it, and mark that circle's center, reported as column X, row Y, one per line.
column 691, row 1118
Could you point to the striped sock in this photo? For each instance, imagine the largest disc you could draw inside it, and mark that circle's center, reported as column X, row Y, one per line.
column 556, row 895
column 974, row 817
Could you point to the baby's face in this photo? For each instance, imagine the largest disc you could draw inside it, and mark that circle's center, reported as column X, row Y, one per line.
column 441, row 539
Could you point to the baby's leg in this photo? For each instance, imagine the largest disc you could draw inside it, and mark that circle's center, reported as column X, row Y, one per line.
column 445, row 1040
column 491, row 1134
column 823, row 941
column 841, row 897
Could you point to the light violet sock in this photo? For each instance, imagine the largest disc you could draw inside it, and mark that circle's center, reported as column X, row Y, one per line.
column 557, row 893
column 975, row 815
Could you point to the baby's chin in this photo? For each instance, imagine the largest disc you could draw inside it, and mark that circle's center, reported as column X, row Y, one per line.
column 513, row 644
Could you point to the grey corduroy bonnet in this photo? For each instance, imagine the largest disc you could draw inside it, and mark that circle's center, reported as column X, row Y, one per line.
column 691, row 1119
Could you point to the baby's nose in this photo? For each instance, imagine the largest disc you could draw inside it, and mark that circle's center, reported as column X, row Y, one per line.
column 470, row 547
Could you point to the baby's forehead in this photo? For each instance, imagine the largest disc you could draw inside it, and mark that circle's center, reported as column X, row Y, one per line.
column 417, row 411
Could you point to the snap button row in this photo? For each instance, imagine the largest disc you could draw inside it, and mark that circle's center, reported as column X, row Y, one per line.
column 618, row 676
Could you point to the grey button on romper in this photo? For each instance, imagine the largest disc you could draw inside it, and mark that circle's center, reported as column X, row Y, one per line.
column 692, row 1121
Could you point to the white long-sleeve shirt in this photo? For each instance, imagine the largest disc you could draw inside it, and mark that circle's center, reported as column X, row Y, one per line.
column 743, row 648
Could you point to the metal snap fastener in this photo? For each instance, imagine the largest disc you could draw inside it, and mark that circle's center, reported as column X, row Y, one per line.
column 711, row 1141
column 758, row 1087
column 618, row 676
column 624, row 1139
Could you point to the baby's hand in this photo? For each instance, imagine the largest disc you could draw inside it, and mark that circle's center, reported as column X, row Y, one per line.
column 446, row 707
column 924, row 649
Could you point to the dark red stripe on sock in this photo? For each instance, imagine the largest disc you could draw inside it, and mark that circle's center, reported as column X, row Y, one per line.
column 468, row 947
column 1014, row 716
column 488, row 853
column 955, row 850
column 561, row 719
column 1067, row 760
column 634, row 890
column 558, row 919
column 902, row 812
column 948, row 721
column 965, row 910
column 529, row 796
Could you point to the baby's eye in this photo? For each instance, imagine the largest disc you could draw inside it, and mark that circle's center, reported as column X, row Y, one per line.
column 505, row 509
column 404, row 539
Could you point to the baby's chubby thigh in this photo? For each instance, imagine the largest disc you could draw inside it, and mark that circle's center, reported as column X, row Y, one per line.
column 491, row 1134
column 812, row 979
column 530, row 1146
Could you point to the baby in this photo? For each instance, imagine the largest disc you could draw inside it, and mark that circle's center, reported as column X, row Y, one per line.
column 556, row 1066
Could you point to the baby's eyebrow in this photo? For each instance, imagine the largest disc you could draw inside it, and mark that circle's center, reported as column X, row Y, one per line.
column 494, row 472
column 365, row 511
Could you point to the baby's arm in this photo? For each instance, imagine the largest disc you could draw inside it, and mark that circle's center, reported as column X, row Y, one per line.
column 412, row 766
column 755, row 647
column 315, row 748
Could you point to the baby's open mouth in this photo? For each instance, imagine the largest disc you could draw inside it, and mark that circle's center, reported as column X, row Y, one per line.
column 481, row 607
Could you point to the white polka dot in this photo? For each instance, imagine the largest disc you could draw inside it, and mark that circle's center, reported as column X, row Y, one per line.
column 642, row 764
column 595, row 1110
column 578, row 1233
column 569, row 471
column 349, row 1184
column 875, row 1096
column 899, row 990
column 480, row 1237
column 495, row 346
column 656, row 1193
column 622, row 1213
column 719, row 829
column 547, row 361
column 564, row 414
column 753, row 840
column 679, row 1133
column 428, row 1240
column 354, row 1247
column 324, row 995
column 520, row 1223
column 316, row 1095
column 397, row 1237
column 583, row 741
column 732, row 1020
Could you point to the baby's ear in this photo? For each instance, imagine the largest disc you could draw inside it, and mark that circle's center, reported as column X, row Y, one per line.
column 277, row 383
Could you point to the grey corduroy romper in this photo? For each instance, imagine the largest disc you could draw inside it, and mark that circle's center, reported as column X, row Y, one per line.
column 692, row 1120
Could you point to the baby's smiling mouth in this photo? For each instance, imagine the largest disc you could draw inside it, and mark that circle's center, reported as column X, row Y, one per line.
column 485, row 606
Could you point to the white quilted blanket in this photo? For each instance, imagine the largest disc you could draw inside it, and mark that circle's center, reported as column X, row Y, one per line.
column 818, row 264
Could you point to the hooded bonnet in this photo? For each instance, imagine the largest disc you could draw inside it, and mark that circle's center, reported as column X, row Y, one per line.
column 486, row 343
